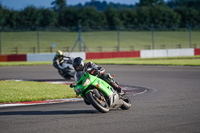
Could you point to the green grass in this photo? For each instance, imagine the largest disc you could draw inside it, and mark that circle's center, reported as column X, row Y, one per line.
column 157, row 61
column 21, row 91
column 24, row 63
column 108, row 40
column 181, row 61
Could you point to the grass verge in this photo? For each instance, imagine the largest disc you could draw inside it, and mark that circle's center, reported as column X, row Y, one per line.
column 21, row 91
column 181, row 61
column 24, row 63
column 26, row 41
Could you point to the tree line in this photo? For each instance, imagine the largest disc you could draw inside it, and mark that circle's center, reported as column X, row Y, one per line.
column 170, row 14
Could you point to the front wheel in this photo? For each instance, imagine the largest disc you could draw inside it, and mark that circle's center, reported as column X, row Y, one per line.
column 98, row 102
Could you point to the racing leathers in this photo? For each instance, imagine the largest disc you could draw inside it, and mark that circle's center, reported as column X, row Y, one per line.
column 57, row 62
column 100, row 71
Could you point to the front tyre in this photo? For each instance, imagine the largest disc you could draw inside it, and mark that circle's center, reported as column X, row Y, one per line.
column 99, row 103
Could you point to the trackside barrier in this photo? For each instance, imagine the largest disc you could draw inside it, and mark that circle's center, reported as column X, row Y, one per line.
column 40, row 57
column 167, row 53
column 197, row 51
column 37, row 57
column 3, row 58
column 49, row 57
column 99, row 55
column 77, row 54
column 17, row 57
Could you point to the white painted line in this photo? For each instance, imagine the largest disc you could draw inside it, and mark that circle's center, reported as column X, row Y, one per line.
column 42, row 102
column 153, row 91
column 140, row 93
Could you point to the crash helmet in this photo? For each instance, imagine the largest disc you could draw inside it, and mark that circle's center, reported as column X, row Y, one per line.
column 78, row 64
column 59, row 54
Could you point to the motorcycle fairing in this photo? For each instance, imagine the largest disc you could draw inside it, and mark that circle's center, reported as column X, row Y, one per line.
column 95, row 82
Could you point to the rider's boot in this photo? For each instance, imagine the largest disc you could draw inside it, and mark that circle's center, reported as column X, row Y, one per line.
column 115, row 85
column 117, row 88
column 109, row 79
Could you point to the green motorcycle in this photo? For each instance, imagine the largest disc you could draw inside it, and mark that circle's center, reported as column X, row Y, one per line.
column 99, row 93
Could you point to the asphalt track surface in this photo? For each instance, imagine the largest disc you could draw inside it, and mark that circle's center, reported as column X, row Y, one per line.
column 171, row 105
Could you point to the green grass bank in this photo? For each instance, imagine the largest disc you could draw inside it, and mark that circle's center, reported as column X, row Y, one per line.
column 181, row 61
column 22, row 91
column 28, row 42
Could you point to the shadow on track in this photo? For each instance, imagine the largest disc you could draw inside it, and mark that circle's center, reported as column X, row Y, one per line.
column 69, row 112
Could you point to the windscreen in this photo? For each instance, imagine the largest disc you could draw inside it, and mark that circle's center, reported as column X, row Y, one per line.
column 78, row 76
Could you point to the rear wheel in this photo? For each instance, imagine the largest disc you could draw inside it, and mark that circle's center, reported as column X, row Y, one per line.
column 98, row 101
column 126, row 103
column 64, row 74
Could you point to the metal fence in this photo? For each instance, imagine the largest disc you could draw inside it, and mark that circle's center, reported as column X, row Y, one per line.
column 97, row 39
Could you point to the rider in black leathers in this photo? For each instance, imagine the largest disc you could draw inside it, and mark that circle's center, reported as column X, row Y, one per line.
column 93, row 69
column 59, row 58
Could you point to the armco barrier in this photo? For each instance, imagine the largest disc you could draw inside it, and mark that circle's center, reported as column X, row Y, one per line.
column 77, row 54
column 99, row 55
column 40, row 57
column 16, row 57
column 49, row 57
column 20, row 57
column 166, row 53
column 37, row 57
column 3, row 58
column 197, row 51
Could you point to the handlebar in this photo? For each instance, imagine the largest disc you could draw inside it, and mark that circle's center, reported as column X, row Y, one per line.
column 72, row 85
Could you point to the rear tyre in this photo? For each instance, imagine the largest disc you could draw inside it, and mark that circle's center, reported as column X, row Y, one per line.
column 126, row 103
column 99, row 103
column 63, row 74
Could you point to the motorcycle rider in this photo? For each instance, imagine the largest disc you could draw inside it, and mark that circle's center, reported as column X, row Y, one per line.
column 94, row 69
column 59, row 58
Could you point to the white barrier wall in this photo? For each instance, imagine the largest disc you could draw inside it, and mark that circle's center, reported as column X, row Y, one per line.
column 49, row 57
column 77, row 54
column 166, row 53
column 181, row 52
column 40, row 57
column 143, row 54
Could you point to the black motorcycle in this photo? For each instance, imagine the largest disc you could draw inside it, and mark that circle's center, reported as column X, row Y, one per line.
column 66, row 70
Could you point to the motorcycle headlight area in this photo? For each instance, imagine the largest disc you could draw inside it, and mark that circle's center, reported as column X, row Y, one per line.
column 87, row 81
